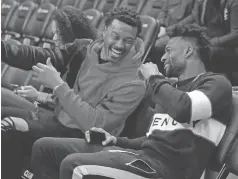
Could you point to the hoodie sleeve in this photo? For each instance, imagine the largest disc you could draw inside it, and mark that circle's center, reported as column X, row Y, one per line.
column 116, row 106
column 24, row 56
column 207, row 100
column 231, row 39
column 127, row 143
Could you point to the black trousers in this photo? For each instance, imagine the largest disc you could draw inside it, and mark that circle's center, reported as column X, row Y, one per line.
column 16, row 145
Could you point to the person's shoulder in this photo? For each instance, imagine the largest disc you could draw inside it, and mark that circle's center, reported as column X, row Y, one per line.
column 216, row 80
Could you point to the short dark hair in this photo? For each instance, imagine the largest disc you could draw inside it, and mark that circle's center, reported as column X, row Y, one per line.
column 72, row 24
column 125, row 15
column 202, row 40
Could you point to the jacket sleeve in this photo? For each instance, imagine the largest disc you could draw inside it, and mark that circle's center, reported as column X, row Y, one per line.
column 127, row 143
column 230, row 39
column 24, row 57
column 108, row 113
column 212, row 96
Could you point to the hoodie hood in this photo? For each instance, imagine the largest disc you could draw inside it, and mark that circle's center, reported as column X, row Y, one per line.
column 132, row 60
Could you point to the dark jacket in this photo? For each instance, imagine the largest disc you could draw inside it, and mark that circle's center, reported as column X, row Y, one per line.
column 220, row 20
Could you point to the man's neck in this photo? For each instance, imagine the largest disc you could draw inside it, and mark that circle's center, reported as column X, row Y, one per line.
column 194, row 69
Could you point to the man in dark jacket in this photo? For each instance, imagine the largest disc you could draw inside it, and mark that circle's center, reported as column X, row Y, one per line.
column 106, row 90
column 180, row 139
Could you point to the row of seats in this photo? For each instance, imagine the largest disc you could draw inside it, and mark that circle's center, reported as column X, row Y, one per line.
column 31, row 24
column 144, row 7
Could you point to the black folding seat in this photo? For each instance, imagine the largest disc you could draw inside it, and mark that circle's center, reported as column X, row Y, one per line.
column 47, row 39
column 7, row 9
column 135, row 5
column 88, row 4
column 106, row 5
column 94, row 16
column 74, row 3
column 57, row 3
column 149, row 28
column 37, row 25
column 19, row 20
column 152, row 8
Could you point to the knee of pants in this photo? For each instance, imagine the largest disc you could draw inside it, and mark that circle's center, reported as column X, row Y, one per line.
column 40, row 148
column 68, row 166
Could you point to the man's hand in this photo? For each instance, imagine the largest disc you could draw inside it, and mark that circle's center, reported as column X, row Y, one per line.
column 47, row 74
column 162, row 32
column 109, row 138
column 28, row 92
column 148, row 69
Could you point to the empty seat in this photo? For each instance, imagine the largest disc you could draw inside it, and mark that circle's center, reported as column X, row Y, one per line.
column 106, row 5
column 57, row 3
column 38, row 24
column 88, row 4
column 7, row 9
column 20, row 19
column 94, row 16
column 74, row 3
column 135, row 5
column 152, row 8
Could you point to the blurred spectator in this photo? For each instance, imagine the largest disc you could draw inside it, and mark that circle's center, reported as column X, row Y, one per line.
column 219, row 17
column 172, row 14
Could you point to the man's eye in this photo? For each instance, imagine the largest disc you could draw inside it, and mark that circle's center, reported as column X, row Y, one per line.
column 128, row 41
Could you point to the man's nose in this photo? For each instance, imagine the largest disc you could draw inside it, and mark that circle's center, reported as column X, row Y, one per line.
column 120, row 44
column 163, row 58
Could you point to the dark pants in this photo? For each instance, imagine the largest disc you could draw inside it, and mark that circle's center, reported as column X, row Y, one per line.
column 71, row 158
column 16, row 146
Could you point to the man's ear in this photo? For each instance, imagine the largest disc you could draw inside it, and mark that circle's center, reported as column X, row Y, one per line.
column 188, row 51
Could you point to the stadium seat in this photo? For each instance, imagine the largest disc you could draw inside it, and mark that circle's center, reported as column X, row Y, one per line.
column 88, row 4
column 19, row 20
column 38, row 23
column 135, row 5
column 57, row 3
column 7, row 9
column 94, row 16
column 149, row 31
column 74, row 3
column 152, row 8
column 227, row 150
column 106, row 5
column 47, row 39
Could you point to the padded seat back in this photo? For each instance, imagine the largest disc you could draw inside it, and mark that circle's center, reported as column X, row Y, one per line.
column 135, row 5
column 106, row 5
column 57, row 3
column 7, row 9
column 94, row 16
column 74, row 3
column 39, row 21
column 88, row 4
column 148, row 31
column 232, row 158
column 21, row 17
column 228, row 138
column 152, row 8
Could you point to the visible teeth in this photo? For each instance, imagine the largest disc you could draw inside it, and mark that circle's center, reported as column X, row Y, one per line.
column 117, row 52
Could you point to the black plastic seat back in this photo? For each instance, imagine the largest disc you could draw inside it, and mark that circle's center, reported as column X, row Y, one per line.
column 152, row 8
column 7, row 9
column 135, row 5
column 74, row 3
column 94, row 16
column 57, row 3
column 88, row 4
column 21, row 17
column 38, row 23
column 106, row 5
